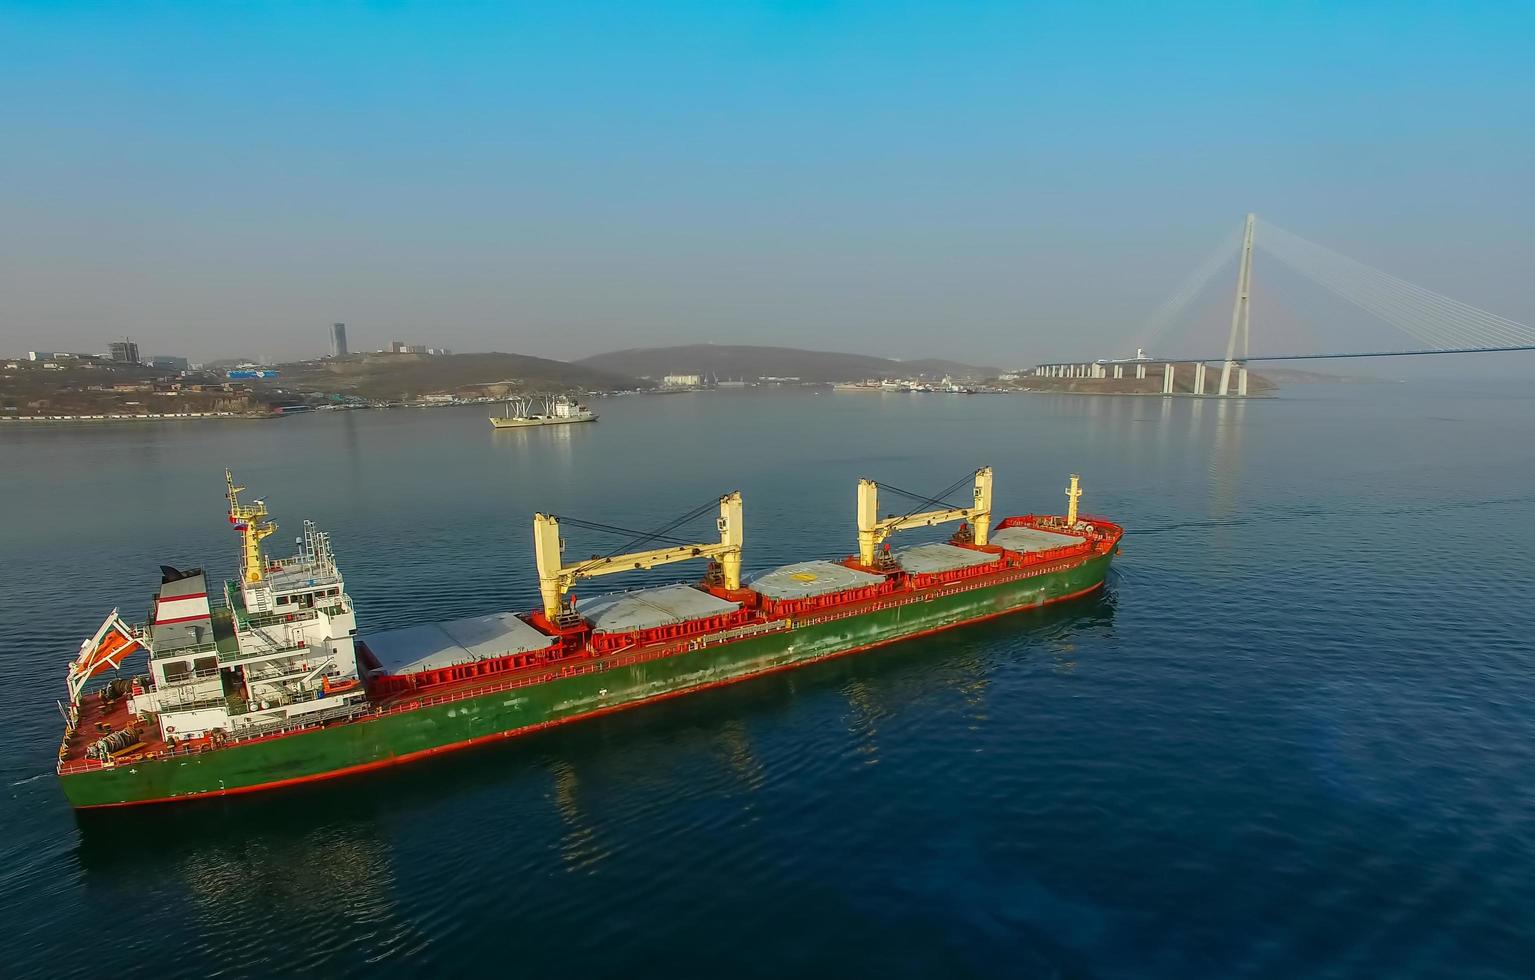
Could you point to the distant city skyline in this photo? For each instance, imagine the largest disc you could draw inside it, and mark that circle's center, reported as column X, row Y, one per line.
column 994, row 183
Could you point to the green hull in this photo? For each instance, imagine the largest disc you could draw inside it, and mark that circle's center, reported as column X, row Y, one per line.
column 401, row 736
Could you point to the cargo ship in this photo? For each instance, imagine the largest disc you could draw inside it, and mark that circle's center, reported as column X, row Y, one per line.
column 265, row 681
column 557, row 411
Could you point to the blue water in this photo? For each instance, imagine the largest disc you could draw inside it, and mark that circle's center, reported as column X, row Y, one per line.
column 1295, row 737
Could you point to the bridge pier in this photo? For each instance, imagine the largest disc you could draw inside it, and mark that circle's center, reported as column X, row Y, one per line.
column 1119, row 371
column 1140, row 372
column 1167, row 379
column 1199, row 378
column 1240, row 369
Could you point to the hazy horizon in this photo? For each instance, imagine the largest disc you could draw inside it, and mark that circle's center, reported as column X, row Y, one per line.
column 990, row 184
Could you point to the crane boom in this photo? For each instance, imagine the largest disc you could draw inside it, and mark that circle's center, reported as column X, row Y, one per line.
column 556, row 578
column 872, row 531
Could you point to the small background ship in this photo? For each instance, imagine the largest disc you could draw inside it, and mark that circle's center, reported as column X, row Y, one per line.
column 521, row 412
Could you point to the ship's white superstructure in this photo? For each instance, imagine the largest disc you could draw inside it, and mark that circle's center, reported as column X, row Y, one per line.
column 273, row 649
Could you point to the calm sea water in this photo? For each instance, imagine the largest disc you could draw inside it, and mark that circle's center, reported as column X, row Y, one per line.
column 1295, row 737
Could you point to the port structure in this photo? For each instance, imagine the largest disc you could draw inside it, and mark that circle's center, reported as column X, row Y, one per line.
column 872, row 531
column 555, row 578
column 250, row 520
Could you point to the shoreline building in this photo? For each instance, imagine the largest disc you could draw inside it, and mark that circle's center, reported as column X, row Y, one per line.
column 338, row 340
column 123, row 351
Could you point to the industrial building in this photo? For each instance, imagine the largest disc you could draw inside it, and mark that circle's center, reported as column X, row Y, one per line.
column 123, row 351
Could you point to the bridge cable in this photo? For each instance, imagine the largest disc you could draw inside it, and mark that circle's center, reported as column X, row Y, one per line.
column 1428, row 316
column 1157, row 325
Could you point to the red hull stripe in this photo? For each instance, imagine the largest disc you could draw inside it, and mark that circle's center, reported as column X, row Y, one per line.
column 181, row 619
column 510, row 733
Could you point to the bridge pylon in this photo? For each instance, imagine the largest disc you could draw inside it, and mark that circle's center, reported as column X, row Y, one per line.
column 1241, row 320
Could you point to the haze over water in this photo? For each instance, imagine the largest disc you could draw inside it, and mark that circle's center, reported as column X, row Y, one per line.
column 1294, row 736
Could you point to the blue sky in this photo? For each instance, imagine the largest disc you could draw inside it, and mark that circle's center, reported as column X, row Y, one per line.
column 996, row 182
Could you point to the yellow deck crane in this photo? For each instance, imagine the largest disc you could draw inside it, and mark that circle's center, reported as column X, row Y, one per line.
column 872, row 531
column 556, row 578
column 250, row 520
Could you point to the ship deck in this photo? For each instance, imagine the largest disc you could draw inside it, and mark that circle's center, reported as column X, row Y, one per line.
column 592, row 661
column 98, row 720
column 431, row 646
column 665, row 605
column 806, row 579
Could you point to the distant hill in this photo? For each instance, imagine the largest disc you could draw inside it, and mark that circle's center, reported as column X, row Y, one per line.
column 728, row 361
column 398, row 376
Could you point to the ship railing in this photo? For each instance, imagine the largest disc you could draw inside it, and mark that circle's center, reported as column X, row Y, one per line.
column 192, row 676
column 731, row 635
column 939, row 592
column 275, row 674
column 273, row 699
column 275, row 649
column 194, row 705
column 262, row 619
column 286, row 725
column 278, row 727
column 186, row 651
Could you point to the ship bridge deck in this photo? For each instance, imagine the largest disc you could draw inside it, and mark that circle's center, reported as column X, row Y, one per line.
column 290, row 575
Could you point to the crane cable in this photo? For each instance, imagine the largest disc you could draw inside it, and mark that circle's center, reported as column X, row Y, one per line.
column 938, row 498
column 660, row 534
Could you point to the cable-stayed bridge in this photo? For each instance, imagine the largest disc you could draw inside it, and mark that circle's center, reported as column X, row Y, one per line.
column 1427, row 322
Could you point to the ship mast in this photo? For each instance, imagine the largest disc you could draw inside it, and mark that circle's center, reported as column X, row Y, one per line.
column 250, row 520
